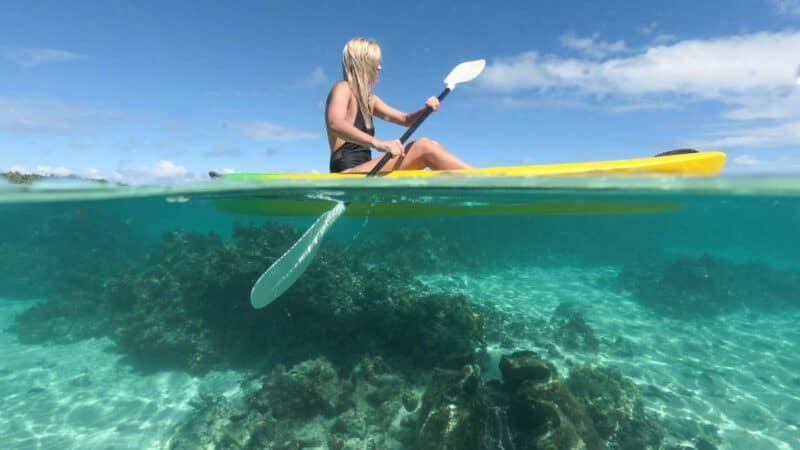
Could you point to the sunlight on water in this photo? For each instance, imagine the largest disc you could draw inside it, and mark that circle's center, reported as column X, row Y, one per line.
column 440, row 313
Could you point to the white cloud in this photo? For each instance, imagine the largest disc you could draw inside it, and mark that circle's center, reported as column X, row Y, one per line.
column 783, row 134
column 592, row 46
column 267, row 131
column 747, row 160
column 753, row 76
column 16, row 168
column 37, row 116
column 32, row 57
column 163, row 172
column 658, row 38
column 780, row 104
column 553, row 102
column 168, row 169
column 647, row 30
column 645, row 106
column 664, row 38
column 91, row 173
column 56, row 171
column 788, row 7
column 114, row 176
column 315, row 79
column 712, row 68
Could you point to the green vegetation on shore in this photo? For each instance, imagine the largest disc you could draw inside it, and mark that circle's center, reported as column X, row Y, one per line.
column 28, row 178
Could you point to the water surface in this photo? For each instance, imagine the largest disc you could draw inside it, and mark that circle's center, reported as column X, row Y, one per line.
column 126, row 320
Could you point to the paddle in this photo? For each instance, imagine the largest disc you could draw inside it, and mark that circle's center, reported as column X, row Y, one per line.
column 466, row 71
column 287, row 269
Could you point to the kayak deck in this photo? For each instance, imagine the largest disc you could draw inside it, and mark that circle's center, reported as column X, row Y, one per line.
column 705, row 163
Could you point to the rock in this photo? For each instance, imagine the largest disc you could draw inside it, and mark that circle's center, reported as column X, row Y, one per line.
column 707, row 286
column 549, row 415
column 523, row 366
column 309, row 389
column 449, row 417
column 350, row 424
column 615, row 407
column 410, row 401
column 214, row 422
column 375, row 381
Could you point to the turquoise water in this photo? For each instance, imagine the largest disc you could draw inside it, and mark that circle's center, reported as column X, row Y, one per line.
column 653, row 313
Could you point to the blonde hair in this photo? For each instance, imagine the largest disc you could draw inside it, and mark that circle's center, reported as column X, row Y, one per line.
column 360, row 60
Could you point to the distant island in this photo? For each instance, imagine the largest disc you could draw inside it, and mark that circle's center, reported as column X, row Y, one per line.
column 28, row 178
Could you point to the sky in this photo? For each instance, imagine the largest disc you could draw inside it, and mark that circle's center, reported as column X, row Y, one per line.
column 163, row 92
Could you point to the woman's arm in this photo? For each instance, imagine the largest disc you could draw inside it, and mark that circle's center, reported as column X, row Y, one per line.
column 390, row 114
column 335, row 117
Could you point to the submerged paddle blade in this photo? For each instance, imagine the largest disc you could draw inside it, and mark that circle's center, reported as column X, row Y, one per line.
column 466, row 71
column 288, row 268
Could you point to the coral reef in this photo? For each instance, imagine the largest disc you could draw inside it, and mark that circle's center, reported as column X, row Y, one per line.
column 705, row 286
column 360, row 355
column 531, row 408
column 309, row 389
column 615, row 407
column 188, row 308
column 309, row 405
column 63, row 251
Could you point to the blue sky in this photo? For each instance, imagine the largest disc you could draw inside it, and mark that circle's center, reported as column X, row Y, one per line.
column 164, row 91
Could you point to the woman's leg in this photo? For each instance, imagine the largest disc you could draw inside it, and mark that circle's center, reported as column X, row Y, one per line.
column 420, row 154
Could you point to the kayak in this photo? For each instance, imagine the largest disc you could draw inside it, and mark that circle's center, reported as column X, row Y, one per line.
column 705, row 163
column 684, row 164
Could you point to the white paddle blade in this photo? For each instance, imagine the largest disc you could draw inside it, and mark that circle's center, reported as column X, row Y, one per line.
column 466, row 71
column 288, row 268
column 797, row 76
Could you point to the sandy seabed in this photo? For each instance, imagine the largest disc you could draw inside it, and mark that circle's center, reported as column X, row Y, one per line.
column 738, row 372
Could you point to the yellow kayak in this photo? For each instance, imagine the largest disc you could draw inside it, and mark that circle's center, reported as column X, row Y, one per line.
column 705, row 163
column 684, row 164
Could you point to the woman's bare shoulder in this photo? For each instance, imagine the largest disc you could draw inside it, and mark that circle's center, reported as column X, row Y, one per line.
column 341, row 86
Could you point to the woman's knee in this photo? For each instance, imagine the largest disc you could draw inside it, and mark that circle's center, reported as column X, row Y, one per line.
column 428, row 146
column 427, row 142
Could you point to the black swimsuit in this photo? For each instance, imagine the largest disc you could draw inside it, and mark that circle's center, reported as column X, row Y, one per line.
column 350, row 154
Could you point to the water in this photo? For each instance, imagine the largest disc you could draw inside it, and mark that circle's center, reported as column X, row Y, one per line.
column 662, row 312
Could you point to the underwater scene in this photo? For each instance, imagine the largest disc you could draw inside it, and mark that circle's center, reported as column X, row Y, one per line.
column 572, row 314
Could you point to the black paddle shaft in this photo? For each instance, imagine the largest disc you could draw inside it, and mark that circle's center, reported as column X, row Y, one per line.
column 386, row 157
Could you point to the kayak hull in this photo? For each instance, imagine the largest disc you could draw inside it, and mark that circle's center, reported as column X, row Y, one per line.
column 691, row 164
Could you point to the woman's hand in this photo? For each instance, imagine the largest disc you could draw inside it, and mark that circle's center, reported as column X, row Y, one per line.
column 394, row 147
column 432, row 103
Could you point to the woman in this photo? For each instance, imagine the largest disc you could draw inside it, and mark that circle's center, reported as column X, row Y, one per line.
column 350, row 109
